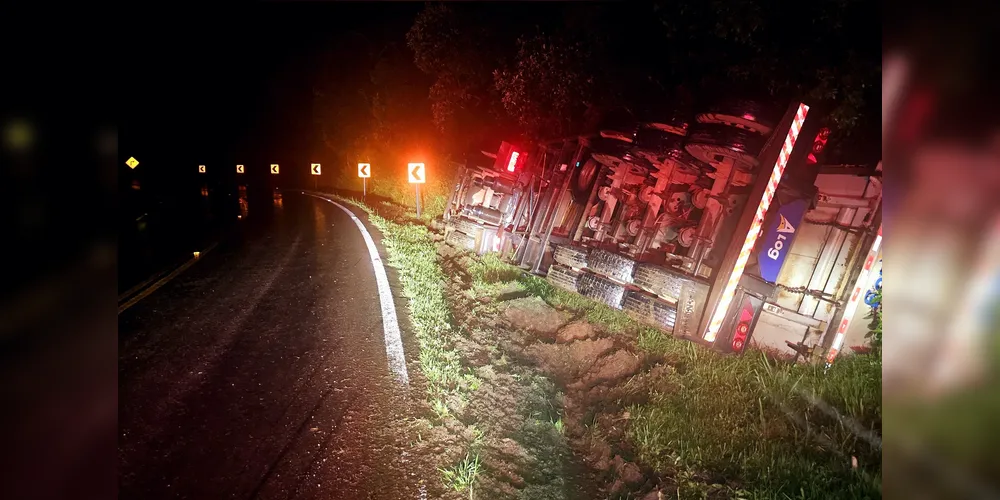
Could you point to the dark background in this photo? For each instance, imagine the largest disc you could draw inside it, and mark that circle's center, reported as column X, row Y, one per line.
column 175, row 85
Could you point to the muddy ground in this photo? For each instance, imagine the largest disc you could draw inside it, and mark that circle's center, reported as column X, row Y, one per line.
column 548, row 420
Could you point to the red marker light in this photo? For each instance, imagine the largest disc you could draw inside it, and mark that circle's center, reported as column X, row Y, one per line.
column 513, row 161
column 818, row 145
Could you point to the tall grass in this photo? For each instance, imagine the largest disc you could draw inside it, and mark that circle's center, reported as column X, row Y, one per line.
column 744, row 426
column 768, row 430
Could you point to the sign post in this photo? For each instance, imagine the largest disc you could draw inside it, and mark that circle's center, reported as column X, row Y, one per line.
column 315, row 169
column 415, row 172
column 364, row 171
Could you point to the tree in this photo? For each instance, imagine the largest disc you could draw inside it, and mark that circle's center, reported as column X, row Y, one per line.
column 458, row 49
column 574, row 57
column 802, row 49
column 547, row 86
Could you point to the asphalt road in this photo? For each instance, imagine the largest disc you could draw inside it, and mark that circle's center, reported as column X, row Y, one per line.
column 261, row 371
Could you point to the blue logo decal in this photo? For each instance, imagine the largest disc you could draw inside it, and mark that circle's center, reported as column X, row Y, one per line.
column 778, row 238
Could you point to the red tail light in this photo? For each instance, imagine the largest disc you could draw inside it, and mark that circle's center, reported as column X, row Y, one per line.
column 512, row 164
column 743, row 327
column 818, row 145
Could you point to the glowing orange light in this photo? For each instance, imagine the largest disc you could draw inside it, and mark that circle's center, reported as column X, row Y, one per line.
column 751, row 239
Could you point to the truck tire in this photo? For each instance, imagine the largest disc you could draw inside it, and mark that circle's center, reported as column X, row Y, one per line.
column 659, row 281
column 572, row 257
column 650, row 310
column 674, row 121
column 583, row 180
column 617, row 267
column 658, row 142
column 619, row 124
column 601, row 289
column 563, row 277
column 757, row 116
column 460, row 240
column 710, row 141
column 607, row 151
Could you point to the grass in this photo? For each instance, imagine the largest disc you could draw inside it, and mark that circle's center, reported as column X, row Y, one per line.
column 462, row 476
column 731, row 426
column 740, row 426
column 413, row 253
column 758, row 429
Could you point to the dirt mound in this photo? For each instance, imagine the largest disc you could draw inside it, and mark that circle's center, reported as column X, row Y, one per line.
column 568, row 362
column 535, row 315
column 577, row 330
column 611, row 368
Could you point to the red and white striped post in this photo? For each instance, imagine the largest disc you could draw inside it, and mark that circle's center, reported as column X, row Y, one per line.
column 718, row 315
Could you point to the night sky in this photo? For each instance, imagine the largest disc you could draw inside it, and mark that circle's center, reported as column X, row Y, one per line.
column 238, row 87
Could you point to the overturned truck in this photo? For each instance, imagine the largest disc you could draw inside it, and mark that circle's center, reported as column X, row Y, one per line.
column 683, row 223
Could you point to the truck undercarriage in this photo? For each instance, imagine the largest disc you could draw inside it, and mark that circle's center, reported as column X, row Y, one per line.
column 685, row 224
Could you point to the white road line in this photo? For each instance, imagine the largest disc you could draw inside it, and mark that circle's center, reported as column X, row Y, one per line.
column 393, row 340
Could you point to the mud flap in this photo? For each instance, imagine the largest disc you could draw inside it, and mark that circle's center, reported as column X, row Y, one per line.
column 690, row 307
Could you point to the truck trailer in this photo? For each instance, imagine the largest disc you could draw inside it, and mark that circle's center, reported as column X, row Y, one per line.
column 690, row 225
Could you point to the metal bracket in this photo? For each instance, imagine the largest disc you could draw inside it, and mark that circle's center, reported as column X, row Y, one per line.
column 795, row 317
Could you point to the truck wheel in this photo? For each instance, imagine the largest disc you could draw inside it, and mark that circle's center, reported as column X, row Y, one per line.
column 612, row 265
column 658, row 142
column 659, row 281
column 563, row 277
column 573, row 257
column 460, row 240
column 685, row 163
column 710, row 142
column 619, row 124
column 584, row 179
column 759, row 117
column 650, row 310
column 607, row 151
column 675, row 123
column 601, row 289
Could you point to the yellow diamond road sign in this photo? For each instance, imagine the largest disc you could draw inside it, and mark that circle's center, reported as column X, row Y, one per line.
column 364, row 170
column 415, row 171
column 315, row 168
column 274, row 168
column 132, row 162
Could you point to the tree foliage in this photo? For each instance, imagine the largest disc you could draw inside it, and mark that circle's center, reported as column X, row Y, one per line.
column 489, row 65
column 458, row 49
column 547, row 86
column 802, row 49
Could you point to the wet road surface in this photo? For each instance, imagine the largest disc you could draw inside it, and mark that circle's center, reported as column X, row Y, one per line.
column 261, row 371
